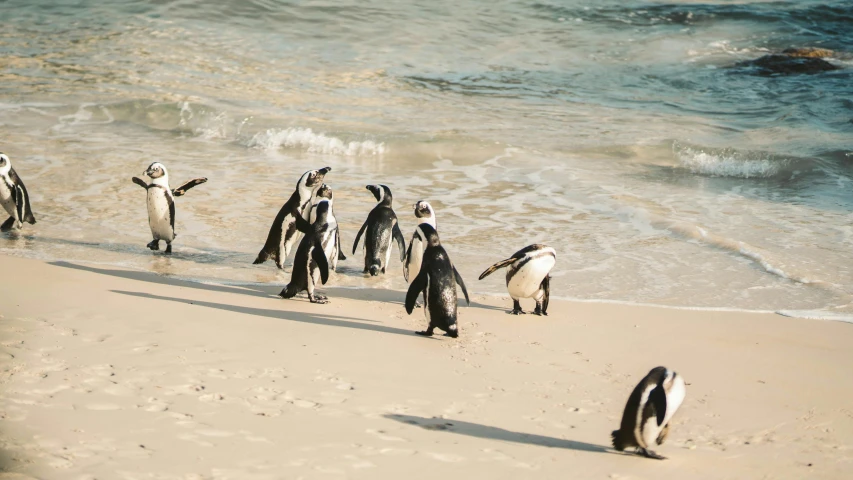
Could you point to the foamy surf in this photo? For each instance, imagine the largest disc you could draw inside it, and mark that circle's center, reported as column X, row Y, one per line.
column 728, row 162
column 312, row 142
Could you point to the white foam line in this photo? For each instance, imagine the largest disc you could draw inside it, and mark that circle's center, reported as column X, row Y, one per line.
column 817, row 315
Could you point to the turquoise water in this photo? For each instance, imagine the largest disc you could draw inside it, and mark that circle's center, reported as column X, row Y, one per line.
column 620, row 133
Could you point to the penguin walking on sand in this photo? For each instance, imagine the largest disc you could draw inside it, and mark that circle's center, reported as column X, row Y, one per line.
column 437, row 280
column 528, row 276
column 161, row 204
column 14, row 197
column 311, row 265
column 648, row 412
column 415, row 253
column 381, row 226
column 332, row 241
column 283, row 233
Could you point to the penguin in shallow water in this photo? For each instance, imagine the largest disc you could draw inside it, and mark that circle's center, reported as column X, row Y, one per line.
column 161, row 203
column 332, row 241
column 311, row 265
column 283, row 233
column 437, row 281
column 14, row 197
column 649, row 411
column 528, row 276
column 425, row 214
column 379, row 228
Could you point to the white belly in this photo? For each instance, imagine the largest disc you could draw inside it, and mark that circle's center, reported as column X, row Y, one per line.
column 6, row 199
column 158, row 214
column 416, row 258
column 525, row 282
column 674, row 398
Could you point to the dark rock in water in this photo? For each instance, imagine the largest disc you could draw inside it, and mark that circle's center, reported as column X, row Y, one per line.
column 777, row 64
column 808, row 52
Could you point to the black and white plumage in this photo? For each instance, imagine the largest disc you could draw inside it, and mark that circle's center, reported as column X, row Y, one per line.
column 161, row 203
column 332, row 241
column 647, row 416
column 283, row 233
column 379, row 229
column 528, row 276
column 414, row 254
column 311, row 264
column 437, row 281
column 14, row 197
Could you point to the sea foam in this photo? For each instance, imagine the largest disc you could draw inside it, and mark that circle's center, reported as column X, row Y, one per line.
column 308, row 140
column 728, row 162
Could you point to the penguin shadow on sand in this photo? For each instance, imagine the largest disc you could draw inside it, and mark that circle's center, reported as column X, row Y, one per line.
column 496, row 433
column 312, row 318
column 204, row 257
column 394, row 297
column 253, row 290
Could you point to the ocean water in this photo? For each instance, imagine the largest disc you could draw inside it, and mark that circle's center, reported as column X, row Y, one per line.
column 618, row 132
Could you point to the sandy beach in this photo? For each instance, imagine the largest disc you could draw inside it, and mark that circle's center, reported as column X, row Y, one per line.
column 111, row 373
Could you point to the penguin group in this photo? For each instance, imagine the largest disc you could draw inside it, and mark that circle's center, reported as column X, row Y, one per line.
column 308, row 218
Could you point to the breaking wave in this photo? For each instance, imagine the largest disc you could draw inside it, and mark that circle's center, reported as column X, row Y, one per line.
column 308, row 140
column 729, row 162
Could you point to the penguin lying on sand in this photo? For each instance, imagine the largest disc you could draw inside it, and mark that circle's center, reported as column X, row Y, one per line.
column 527, row 276
column 161, row 204
column 381, row 225
column 648, row 412
column 14, row 197
column 437, row 280
column 283, row 233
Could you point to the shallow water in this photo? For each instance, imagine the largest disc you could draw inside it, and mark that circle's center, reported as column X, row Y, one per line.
column 620, row 134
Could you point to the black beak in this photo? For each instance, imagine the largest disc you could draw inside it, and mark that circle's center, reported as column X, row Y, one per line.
column 324, row 170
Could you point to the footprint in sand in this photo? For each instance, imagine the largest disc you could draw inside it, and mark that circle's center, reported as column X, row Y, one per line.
column 214, row 433
column 445, row 457
column 103, row 406
column 119, row 390
column 384, row 436
column 193, row 438
column 156, row 405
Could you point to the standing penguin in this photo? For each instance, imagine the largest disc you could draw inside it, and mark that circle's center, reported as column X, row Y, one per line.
column 332, row 242
column 161, row 204
column 283, row 233
column 437, row 280
column 648, row 412
column 527, row 276
column 414, row 255
column 311, row 265
column 381, row 225
column 14, row 197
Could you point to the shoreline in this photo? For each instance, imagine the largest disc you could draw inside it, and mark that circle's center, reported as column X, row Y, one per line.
column 124, row 374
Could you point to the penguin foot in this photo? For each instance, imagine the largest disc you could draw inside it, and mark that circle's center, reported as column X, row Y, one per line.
column 650, row 454
column 7, row 225
column 320, row 300
column 517, row 312
column 154, row 245
column 168, row 249
column 418, row 304
column 320, row 297
column 539, row 312
column 452, row 334
column 425, row 333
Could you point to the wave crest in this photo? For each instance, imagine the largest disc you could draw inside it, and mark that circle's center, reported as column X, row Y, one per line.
column 308, row 140
column 729, row 162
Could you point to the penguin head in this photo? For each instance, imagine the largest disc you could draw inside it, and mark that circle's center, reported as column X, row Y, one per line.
column 323, row 193
column 429, row 234
column 424, row 212
column 381, row 192
column 312, row 178
column 156, row 170
column 5, row 164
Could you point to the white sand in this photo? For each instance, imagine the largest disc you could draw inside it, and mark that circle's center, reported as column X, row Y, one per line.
column 117, row 374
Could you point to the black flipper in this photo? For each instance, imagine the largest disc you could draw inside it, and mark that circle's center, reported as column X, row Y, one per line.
column 183, row 188
column 546, row 286
column 301, row 224
column 172, row 214
column 7, row 225
column 408, row 260
column 415, row 288
column 20, row 199
column 461, row 284
column 358, row 237
column 657, row 398
column 23, row 197
column 140, row 182
column 401, row 242
column 501, row 264
column 319, row 257
column 341, row 255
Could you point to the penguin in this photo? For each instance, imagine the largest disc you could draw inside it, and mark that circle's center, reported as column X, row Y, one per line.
column 310, row 264
column 283, row 233
column 648, row 412
column 437, row 280
column 425, row 214
column 161, row 204
column 528, row 276
column 381, row 225
column 332, row 242
column 14, row 197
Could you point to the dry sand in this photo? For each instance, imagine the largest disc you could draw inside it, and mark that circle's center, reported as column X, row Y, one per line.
column 115, row 374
